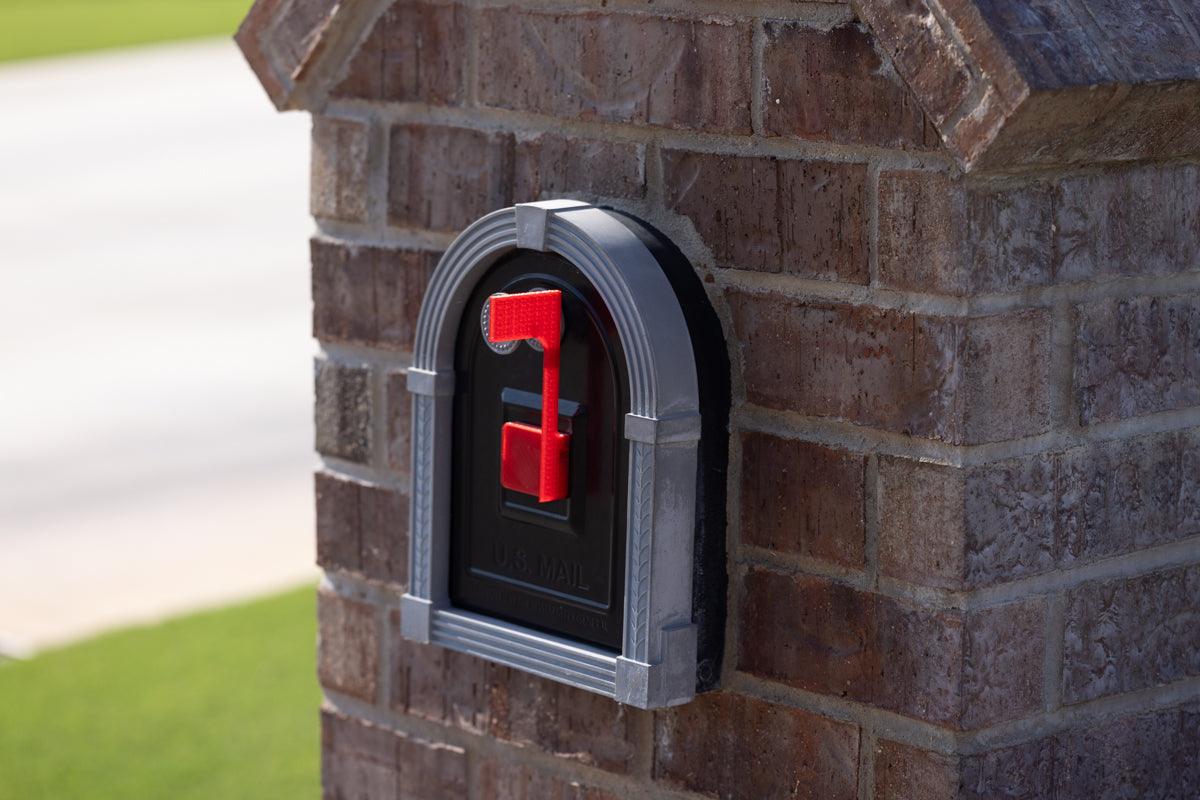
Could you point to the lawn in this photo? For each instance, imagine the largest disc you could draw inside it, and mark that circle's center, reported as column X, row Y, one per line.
column 32, row 28
column 221, row 704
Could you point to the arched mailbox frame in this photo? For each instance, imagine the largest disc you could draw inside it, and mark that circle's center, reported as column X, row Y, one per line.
column 657, row 663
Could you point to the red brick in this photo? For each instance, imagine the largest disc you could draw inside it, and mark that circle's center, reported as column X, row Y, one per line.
column 500, row 780
column 383, row 517
column 960, row 380
column 348, row 645
column 1137, row 356
column 339, row 533
column 399, row 421
column 801, row 218
column 728, row 746
column 1023, row 772
column 549, row 166
column 564, row 721
column 437, row 684
column 416, row 52
column 1115, row 497
column 361, row 761
column 961, row 528
column 362, row 528
column 831, row 85
column 924, row 53
column 903, row 772
column 802, row 498
column 1151, row 755
column 1131, row 633
column 1003, row 650
column 477, row 696
column 634, row 68
column 368, row 295
column 280, row 41
column 943, row 235
column 339, row 169
column 343, row 411
column 1140, row 221
column 941, row 666
column 443, row 179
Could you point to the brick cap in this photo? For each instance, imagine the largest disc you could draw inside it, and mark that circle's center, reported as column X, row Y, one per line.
column 1007, row 84
column 1032, row 82
column 296, row 47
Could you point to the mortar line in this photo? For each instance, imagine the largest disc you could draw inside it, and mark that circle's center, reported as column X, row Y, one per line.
column 502, row 120
column 335, row 231
column 859, row 439
column 362, row 473
column 871, row 519
column 758, row 43
column 1174, row 555
column 1053, row 661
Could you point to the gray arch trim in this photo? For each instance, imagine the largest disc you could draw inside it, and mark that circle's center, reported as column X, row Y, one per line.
column 657, row 663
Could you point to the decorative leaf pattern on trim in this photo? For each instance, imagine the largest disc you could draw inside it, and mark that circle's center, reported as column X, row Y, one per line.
column 640, row 539
column 423, row 489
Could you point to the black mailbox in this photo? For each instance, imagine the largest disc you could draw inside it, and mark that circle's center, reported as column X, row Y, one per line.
column 585, row 545
column 557, row 566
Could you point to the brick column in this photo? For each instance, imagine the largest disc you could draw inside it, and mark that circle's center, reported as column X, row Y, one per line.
column 964, row 542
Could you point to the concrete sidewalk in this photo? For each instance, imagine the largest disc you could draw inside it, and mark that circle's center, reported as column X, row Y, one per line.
column 155, row 427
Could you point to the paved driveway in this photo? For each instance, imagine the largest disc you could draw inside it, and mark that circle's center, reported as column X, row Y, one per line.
column 155, row 360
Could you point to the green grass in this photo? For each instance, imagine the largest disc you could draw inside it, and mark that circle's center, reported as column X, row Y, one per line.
column 217, row 705
column 34, row 28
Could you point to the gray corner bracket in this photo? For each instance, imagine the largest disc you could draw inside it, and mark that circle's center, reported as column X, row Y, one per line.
column 657, row 663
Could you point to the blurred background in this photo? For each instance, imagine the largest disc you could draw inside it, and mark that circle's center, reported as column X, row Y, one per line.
column 155, row 424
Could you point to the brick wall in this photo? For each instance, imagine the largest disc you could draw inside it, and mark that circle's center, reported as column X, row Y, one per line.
column 965, row 458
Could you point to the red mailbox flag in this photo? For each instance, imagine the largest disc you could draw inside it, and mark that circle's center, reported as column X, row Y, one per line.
column 533, row 460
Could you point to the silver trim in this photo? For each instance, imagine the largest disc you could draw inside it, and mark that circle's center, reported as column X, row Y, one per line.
column 657, row 666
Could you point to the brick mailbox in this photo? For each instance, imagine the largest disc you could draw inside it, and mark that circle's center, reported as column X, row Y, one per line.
column 944, row 259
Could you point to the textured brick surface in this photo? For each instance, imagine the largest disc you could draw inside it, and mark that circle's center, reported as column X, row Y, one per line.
column 360, row 761
column 958, row 380
column 802, row 498
column 942, row 666
column 634, row 68
column 1024, row 771
column 362, row 528
column 499, row 780
column 368, row 295
column 1137, row 356
column 955, row 528
column 1146, row 756
column 348, row 645
column 339, row 169
column 1128, row 634
column 729, row 746
column 793, row 217
column 832, row 85
column 438, row 684
column 513, row 706
column 281, row 39
column 343, row 411
column 339, row 537
column 1128, row 495
column 548, row 166
column 1142, row 221
column 938, row 234
column 443, row 179
column 903, row 772
column 399, row 421
column 416, row 52
column 568, row 722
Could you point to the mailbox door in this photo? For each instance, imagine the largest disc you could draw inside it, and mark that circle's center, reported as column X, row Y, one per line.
column 555, row 566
